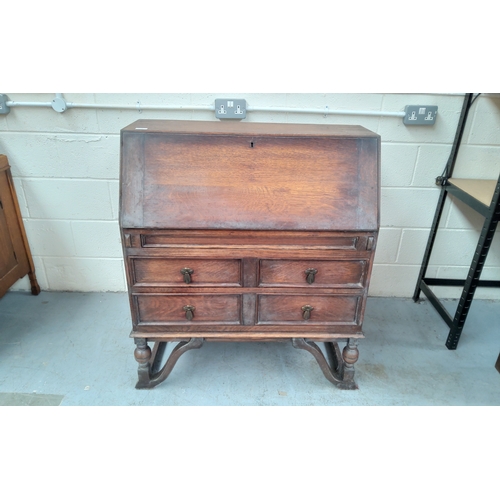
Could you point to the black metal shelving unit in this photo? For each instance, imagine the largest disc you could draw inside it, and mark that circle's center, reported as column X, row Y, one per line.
column 484, row 197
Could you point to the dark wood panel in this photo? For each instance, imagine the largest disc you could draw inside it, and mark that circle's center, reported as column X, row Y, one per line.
column 249, row 308
column 132, row 181
column 368, row 185
column 7, row 255
column 250, row 272
column 230, row 180
column 229, row 184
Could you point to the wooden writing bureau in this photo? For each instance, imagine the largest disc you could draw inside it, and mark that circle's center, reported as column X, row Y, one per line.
column 236, row 231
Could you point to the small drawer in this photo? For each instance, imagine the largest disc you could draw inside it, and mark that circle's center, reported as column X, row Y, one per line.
column 188, row 309
column 314, row 273
column 308, row 309
column 185, row 272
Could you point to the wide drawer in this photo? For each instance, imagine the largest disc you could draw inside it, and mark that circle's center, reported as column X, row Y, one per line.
column 308, row 309
column 314, row 273
column 188, row 309
column 185, row 272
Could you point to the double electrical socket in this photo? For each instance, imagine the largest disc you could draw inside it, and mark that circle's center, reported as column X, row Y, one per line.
column 420, row 115
column 230, row 109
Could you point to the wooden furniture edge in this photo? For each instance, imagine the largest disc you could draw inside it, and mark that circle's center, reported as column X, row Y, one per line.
column 5, row 166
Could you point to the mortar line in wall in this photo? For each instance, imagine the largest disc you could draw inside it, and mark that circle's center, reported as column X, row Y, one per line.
column 26, row 177
column 59, row 132
column 419, row 149
column 431, row 143
column 75, row 246
column 110, row 195
column 409, row 187
column 37, row 219
column 395, row 264
column 448, row 207
column 400, row 242
column 24, row 197
column 78, row 257
column 70, row 220
column 45, row 273
column 432, row 186
column 409, row 228
column 117, row 135
column 420, row 228
column 116, row 180
column 470, row 125
column 405, row 227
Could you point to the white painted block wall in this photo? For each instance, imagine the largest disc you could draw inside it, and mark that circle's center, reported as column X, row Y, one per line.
column 66, row 170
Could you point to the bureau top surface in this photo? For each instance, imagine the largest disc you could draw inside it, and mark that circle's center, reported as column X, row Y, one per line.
column 246, row 128
column 257, row 176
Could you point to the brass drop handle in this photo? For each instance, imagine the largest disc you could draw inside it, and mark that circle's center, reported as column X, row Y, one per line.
column 306, row 314
column 189, row 312
column 186, row 272
column 310, row 274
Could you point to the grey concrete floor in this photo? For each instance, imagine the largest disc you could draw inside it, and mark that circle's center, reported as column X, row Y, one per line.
column 73, row 349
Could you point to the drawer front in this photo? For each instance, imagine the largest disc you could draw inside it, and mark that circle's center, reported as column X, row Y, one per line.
column 185, row 272
column 308, row 309
column 188, row 309
column 314, row 273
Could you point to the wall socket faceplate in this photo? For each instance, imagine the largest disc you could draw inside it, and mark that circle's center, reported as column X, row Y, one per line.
column 230, row 109
column 420, row 115
column 4, row 109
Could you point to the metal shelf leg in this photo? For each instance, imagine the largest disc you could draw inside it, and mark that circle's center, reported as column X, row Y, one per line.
column 430, row 243
column 472, row 281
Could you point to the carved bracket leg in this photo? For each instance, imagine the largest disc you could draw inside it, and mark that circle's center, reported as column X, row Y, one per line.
column 339, row 369
column 350, row 355
column 149, row 371
column 142, row 355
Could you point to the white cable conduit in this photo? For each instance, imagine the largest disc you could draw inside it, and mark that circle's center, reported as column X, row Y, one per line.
column 60, row 105
column 137, row 107
column 327, row 111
